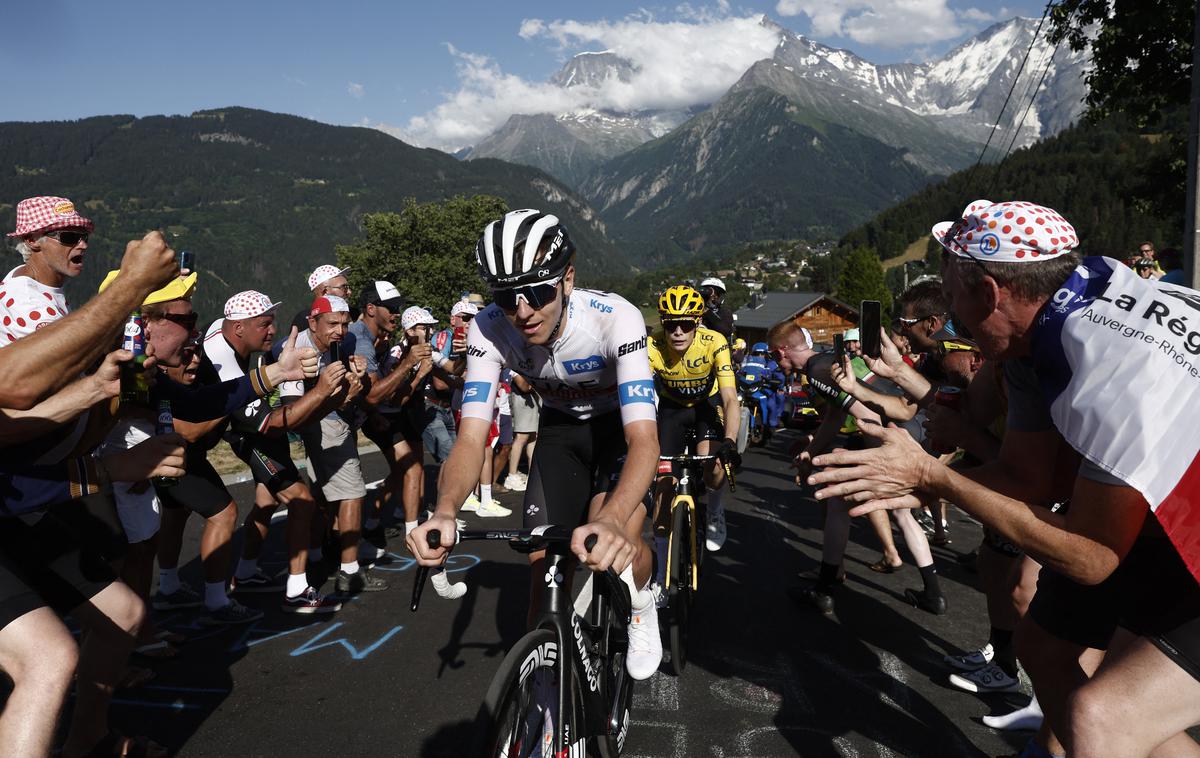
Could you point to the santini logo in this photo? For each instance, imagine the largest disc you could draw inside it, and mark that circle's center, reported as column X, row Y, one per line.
column 631, row 347
column 585, row 365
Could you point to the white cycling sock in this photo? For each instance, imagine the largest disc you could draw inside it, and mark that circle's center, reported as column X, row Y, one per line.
column 214, row 595
column 351, row 567
column 641, row 597
column 485, row 493
column 247, row 567
column 168, row 581
column 408, row 527
column 1029, row 717
column 296, row 584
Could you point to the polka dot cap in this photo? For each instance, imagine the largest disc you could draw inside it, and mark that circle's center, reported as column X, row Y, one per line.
column 248, row 304
column 1013, row 231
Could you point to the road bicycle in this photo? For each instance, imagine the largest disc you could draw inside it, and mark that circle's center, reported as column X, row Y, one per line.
column 562, row 689
column 685, row 547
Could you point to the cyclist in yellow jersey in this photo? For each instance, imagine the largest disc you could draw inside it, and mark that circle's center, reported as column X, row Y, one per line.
column 694, row 378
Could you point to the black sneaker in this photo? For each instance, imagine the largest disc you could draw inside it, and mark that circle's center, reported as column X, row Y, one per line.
column 359, row 581
column 259, row 582
column 935, row 604
column 814, row 595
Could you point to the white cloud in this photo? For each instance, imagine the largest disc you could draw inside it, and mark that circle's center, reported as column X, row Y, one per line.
column 676, row 64
column 356, row 90
column 885, row 23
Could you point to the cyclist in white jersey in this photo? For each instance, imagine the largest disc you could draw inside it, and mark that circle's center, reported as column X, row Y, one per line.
column 585, row 354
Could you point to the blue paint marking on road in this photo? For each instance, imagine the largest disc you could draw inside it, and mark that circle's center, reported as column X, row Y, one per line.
column 454, row 563
column 355, row 653
column 177, row 705
column 244, row 641
column 173, row 688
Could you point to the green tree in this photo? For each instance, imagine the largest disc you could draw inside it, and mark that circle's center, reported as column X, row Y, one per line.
column 427, row 249
column 1141, row 53
column 862, row 279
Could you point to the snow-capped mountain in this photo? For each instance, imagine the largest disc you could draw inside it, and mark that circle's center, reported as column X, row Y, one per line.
column 960, row 93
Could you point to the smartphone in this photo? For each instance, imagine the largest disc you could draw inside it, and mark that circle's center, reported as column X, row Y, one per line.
column 839, row 349
column 335, row 354
column 868, row 327
column 187, row 260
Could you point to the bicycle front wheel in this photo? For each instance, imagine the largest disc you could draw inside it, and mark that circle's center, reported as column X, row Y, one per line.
column 679, row 585
column 519, row 716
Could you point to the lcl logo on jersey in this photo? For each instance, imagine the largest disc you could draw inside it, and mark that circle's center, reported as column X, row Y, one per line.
column 584, row 365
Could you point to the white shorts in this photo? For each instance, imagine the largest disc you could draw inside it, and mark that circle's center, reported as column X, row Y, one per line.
column 525, row 412
column 140, row 511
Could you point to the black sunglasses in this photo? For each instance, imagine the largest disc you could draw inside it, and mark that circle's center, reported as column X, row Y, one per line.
column 687, row 325
column 186, row 320
column 537, row 295
column 710, row 291
column 68, row 239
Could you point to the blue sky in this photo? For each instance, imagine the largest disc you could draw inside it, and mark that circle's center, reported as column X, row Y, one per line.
column 434, row 73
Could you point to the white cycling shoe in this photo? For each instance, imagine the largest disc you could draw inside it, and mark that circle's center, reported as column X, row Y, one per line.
column 645, row 644
column 715, row 532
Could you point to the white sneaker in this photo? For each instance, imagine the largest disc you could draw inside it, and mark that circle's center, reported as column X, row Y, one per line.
column 645, row 645
column 515, row 482
column 492, row 509
column 715, row 537
column 471, row 504
column 972, row 661
column 990, row 678
column 447, row 589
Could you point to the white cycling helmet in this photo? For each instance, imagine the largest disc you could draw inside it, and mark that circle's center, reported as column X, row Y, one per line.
column 507, row 251
column 713, row 281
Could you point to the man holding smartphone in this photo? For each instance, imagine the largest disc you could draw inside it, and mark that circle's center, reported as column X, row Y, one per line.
column 331, row 439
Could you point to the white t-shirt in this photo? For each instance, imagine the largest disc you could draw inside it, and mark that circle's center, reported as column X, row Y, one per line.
column 27, row 305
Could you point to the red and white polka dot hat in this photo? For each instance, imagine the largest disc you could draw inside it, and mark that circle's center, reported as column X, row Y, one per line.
column 1013, row 231
column 45, row 214
column 248, row 304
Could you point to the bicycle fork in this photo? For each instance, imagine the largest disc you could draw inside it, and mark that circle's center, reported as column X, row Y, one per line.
column 683, row 497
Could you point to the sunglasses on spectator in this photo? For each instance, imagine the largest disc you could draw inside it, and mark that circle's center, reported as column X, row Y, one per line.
column 68, row 239
column 914, row 321
column 186, row 320
column 685, row 325
column 536, row 295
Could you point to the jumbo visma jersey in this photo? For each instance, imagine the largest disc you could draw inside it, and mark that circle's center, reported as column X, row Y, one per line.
column 701, row 371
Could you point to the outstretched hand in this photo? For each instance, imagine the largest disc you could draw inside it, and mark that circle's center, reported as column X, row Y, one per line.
column 297, row 363
column 881, row 477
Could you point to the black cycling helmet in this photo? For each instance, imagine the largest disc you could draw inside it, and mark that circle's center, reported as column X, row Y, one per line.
column 507, row 253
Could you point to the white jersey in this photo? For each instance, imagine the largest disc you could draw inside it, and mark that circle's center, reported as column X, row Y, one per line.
column 598, row 364
column 27, row 305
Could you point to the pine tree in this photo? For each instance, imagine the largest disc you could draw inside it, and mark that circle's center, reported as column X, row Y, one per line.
column 862, row 279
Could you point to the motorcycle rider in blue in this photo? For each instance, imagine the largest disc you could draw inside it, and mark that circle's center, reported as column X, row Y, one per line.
column 773, row 381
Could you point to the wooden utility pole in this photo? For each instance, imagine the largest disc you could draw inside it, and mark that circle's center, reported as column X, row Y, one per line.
column 1191, row 234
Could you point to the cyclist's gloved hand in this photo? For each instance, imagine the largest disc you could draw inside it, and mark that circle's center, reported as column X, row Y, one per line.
column 728, row 453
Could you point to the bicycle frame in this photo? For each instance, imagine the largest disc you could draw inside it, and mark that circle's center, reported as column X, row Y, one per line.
column 558, row 615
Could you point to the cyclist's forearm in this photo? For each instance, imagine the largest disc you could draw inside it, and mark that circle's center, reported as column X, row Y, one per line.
column 733, row 412
column 460, row 473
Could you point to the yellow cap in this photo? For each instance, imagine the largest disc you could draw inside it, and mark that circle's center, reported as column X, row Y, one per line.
column 180, row 288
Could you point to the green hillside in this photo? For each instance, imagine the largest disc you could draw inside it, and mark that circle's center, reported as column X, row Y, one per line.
column 261, row 198
column 1116, row 185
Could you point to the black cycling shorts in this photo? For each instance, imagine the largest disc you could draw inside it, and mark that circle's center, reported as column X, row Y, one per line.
column 56, row 557
column 574, row 461
column 269, row 459
column 675, row 421
column 1152, row 594
column 200, row 490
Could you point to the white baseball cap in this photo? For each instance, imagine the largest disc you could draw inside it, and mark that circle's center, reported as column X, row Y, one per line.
column 385, row 294
column 464, row 306
column 322, row 274
column 414, row 315
column 328, row 304
column 248, row 304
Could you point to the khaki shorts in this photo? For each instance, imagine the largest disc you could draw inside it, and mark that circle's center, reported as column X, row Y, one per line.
column 525, row 412
column 332, row 449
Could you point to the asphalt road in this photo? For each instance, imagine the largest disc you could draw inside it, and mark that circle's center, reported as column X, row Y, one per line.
column 765, row 678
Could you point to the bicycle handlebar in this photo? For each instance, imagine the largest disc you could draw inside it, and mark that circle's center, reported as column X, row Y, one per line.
column 694, row 461
column 526, row 540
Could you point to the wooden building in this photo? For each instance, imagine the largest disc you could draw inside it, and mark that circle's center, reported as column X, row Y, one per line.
column 821, row 314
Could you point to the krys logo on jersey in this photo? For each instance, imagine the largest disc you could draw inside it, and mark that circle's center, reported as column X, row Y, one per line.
column 584, row 365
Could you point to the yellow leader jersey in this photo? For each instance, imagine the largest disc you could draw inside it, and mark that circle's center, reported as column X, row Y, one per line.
column 689, row 378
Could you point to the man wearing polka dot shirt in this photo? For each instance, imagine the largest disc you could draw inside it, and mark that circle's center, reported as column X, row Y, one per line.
column 52, row 241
